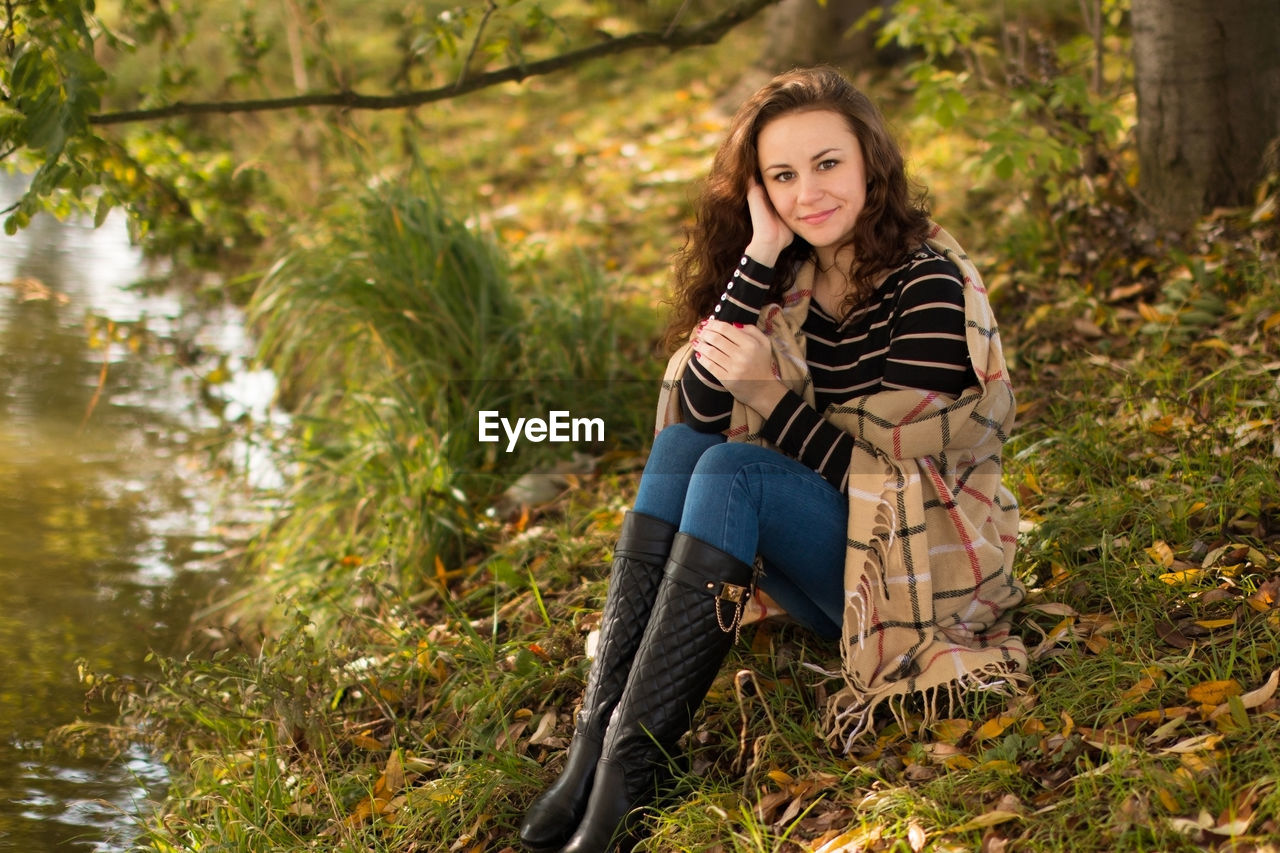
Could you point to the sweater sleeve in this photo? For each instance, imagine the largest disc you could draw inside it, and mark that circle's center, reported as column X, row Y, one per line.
column 927, row 351
column 707, row 405
column 799, row 431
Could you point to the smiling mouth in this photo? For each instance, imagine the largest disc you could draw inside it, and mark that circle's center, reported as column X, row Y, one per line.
column 816, row 218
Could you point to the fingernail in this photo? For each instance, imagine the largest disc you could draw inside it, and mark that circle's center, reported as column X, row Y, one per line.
column 737, row 325
column 697, row 355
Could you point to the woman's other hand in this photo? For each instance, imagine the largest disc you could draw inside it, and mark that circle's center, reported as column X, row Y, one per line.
column 741, row 358
column 769, row 236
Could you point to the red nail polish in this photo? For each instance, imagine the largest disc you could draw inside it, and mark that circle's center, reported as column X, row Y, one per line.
column 737, row 325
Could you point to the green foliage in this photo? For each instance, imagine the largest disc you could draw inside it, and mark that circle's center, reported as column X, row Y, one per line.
column 184, row 194
column 392, row 325
column 51, row 82
column 203, row 184
column 1032, row 85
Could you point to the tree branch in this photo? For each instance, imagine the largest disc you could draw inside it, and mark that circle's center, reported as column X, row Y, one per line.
column 707, row 33
column 475, row 43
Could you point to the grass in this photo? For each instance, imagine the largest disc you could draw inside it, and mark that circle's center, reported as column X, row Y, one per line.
column 407, row 704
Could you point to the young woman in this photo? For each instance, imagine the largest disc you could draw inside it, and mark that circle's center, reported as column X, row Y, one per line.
column 834, row 414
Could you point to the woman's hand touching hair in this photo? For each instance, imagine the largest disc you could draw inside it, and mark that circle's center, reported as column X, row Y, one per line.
column 769, row 235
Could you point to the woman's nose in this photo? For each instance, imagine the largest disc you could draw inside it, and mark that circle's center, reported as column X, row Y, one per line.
column 810, row 189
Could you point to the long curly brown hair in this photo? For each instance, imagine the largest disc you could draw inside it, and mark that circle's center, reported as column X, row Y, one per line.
column 893, row 222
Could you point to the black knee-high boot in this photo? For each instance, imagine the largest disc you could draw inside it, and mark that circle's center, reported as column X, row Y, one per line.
column 638, row 560
column 692, row 627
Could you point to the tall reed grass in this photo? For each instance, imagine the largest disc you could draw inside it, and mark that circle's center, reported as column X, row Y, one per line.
column 391, row 326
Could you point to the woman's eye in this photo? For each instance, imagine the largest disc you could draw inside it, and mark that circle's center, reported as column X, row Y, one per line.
column 827, row 164
column 783, row 177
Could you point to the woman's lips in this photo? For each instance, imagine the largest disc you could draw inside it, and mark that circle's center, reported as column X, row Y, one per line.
column 818, row 218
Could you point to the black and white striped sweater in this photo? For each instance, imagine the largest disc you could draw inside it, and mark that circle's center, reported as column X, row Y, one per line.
column 910, row 333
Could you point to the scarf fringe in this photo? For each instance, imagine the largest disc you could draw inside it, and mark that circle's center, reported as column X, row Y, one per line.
column 844, row 726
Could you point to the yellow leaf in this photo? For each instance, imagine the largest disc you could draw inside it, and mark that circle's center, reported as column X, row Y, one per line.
column 950, row 731
column 370, row 743
column 1271, row 322
column 1253, row 698
column 994, row 727
column 1183, row 576
column 1097, row 643
column 1199, row 743
column 781, row 777
column 1033, row 726
column 1198, row 765
column 1068, row 725
column 1214, row 343
column 1214, row 692
column 1139, row 690
column 1161, row 553
column 861, row 838
column 1212, row 624
column 1152, row 314
column 1167, row 799
column 1160, row 714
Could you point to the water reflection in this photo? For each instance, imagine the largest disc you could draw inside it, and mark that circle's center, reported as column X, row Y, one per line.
column 106, row 529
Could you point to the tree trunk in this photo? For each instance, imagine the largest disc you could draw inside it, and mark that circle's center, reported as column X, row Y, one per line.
column 1207, row 75
column 802, row 32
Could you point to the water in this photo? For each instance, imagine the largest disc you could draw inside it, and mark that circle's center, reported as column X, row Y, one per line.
column 111, row 515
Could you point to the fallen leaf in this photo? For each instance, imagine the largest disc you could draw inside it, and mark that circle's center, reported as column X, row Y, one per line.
column 1189, row 826
column 994, row 727
column 916, row 837
column 991, row 818
column 1170, row 633
column 1253, row 698
column 1199, row 743
column 1140, row 689
column 1182, row 576
column 1214, row 692
column 1161, row 553
column 542, row 735
column 1214, row 624
column 951, row 730
column 1166, row 731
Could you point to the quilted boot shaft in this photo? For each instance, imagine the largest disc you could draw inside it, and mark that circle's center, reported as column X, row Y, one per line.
column 643, row 547
column 692, row 627
column 638, row 560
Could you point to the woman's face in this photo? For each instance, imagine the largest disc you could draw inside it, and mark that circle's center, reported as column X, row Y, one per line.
column 813, row 171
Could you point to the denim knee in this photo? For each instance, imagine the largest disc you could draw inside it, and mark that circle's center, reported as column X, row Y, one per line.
column 728, row 459
column 672, row 459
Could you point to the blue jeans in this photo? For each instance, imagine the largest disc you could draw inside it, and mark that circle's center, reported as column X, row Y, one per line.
column 748, row 500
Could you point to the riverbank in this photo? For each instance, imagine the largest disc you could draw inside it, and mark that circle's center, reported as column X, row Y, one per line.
column 107, row 542
column 414, row 686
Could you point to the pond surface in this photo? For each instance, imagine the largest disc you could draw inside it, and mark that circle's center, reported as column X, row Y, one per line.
column 110, row 513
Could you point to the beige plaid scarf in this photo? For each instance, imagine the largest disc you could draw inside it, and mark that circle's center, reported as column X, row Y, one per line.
column 928, row 574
